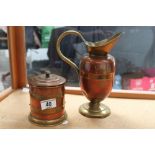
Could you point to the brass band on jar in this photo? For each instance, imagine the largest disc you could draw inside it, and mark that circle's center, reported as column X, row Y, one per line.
column 41, row 97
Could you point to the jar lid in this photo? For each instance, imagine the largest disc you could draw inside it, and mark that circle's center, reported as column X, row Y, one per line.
column 46, row 79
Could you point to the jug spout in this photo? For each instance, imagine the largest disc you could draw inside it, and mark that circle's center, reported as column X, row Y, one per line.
column 104, row 46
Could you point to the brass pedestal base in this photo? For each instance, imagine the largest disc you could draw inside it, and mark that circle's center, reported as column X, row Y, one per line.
column 47, row 122
column 99, row 111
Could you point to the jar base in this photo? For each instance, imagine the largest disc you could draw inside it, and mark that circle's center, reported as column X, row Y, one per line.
column 103, row 111
column 47, row 123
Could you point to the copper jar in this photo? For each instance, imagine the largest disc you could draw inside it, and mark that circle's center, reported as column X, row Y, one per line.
column 47, row 99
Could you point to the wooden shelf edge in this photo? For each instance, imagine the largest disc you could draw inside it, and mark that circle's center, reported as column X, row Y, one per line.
column 5, row 93
column 129, row 94
column 118, row 93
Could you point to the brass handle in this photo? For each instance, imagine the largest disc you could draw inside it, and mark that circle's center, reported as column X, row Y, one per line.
column 61, row 37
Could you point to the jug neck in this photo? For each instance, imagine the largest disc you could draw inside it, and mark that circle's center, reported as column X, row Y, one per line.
column 98, row 54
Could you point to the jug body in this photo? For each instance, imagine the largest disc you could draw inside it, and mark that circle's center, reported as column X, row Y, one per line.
column 97, row 76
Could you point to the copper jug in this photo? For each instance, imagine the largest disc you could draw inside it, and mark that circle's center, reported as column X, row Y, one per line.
column 96, row 73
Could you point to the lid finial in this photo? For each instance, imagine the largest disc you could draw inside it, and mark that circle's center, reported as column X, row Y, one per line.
column 47, row 74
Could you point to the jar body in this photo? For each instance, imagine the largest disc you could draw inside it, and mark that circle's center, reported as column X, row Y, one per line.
column 41, row 96
column 97, row 76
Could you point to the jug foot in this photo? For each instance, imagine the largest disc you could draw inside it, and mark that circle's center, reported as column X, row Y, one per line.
column 102, row 112
column 47, row 123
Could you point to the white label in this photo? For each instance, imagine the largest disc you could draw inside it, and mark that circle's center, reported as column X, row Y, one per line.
column 48, row 104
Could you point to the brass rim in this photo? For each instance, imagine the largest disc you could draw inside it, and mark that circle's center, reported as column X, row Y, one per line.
column 46, row 123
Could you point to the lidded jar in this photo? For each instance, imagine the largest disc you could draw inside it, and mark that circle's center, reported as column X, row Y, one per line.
column 47, row 99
